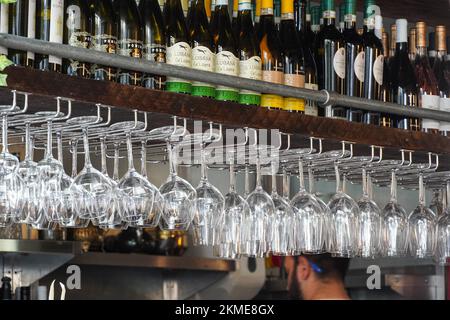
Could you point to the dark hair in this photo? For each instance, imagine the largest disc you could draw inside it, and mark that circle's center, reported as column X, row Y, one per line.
column 325, row 266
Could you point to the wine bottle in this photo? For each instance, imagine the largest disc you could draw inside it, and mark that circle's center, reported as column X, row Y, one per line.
column 271, row 55
column 4, row 12
column 49, row 27
column 129, row 39
column 154, row 46
column 227, row 61
column 404, row 83
column 249, row 54
column 185, row 7
column 31, row 30
column 373, row 61
column 162, row 3
column 257, row 15
column 234, row 19
column 277, row 14
column 202, row 49
column 190, row 14
column 315, row 20
column 354, row 59
column 442, row 73
column 393, row 43
column 294, row 61
column 17, row 26
column 342, row 17
column 432, row 47
column 426, row 80
column 76, row 34
column 412, row 44
column 331, row 59
column 208, row 6
column 103, row 37
column 212, row 23
column 178, row 50
column 386, row 92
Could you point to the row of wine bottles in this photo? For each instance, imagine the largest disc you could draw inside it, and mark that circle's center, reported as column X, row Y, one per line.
column 304, row 49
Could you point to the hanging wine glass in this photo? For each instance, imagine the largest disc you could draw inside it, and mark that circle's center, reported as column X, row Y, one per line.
column 283, row 218
column 50, row 172
column 344, row 221
column 230, row 229
column 256, row 224
column 138, row 193
column 326, row 230
column 94, row 188
column 308, row 219
column 395, row 224
column 209, row 206
column 443, row 231
column 76, row 222
column 422, row 227
column 8, row 161
column 369, row 222
column 152, row 217
column 29, row 173
column 178, row 195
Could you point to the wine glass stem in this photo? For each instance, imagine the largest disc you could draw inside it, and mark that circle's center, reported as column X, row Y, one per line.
column 48, row 153
column 258, row 172
column 116, row 162
column 130, row 152
column 447, row 194
column 204, row 169
column 364, row 182
column 87, row 158
column 247, row 181
column 144, row 158
column 311, row 180
column 31, row 146
column 28, row 142
column 274, row 178
column 103, row 155
column 232, row 177
column 74, row 144
column 171, row 150
column 285, row 184
column 5, row 133
column 393, row 187
column 60, row 146
column 301, row 176
column 421, row 190
column 338, row 178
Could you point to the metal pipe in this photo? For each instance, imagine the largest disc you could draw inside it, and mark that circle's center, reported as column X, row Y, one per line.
column 322, row 97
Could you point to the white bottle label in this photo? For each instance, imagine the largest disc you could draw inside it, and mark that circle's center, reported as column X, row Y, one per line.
column 31, row 32
column 430, row 102
column 250, row 69
column 56, row 26
column 221, row 2
column 378, row 67
column 4, row 9
column 202, row 59
column 73, row 17
column 180, row 54
column 444, row 105
column 360, row 66
column 339, row 63
column 227, row 63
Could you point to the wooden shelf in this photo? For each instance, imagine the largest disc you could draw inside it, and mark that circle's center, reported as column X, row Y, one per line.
column 45, row 86
column 153, row 261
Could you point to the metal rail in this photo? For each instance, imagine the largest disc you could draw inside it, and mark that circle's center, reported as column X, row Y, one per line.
column 322, row 97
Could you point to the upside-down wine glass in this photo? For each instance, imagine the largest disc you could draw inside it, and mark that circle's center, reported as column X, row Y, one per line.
column 443, row 231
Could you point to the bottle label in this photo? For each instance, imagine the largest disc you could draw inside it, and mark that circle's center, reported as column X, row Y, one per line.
column 250, row 69
column 315, row 28
column 80, row 39
column 311, row 108
column 350, row 18
column 272, row 76
column 154, row 52
column 56, row 26
column 329, row 14
column 227, row 63
column 430, row 102
column 271, row 100
column 444, row 105
column 221, row 2
column 104, row 43
column 202, row 59
column 378, row 67
column 130, row 48
column 4, row 10
column 339, row 63
column 31, row 32
column 179, row 54
column 244, row 5
column 360, row 66
column 73, row 21
column 294, row 80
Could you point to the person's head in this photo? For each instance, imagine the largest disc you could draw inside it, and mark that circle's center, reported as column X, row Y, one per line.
column 309, row 275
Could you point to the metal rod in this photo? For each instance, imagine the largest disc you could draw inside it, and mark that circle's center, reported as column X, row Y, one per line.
column 322, row 97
